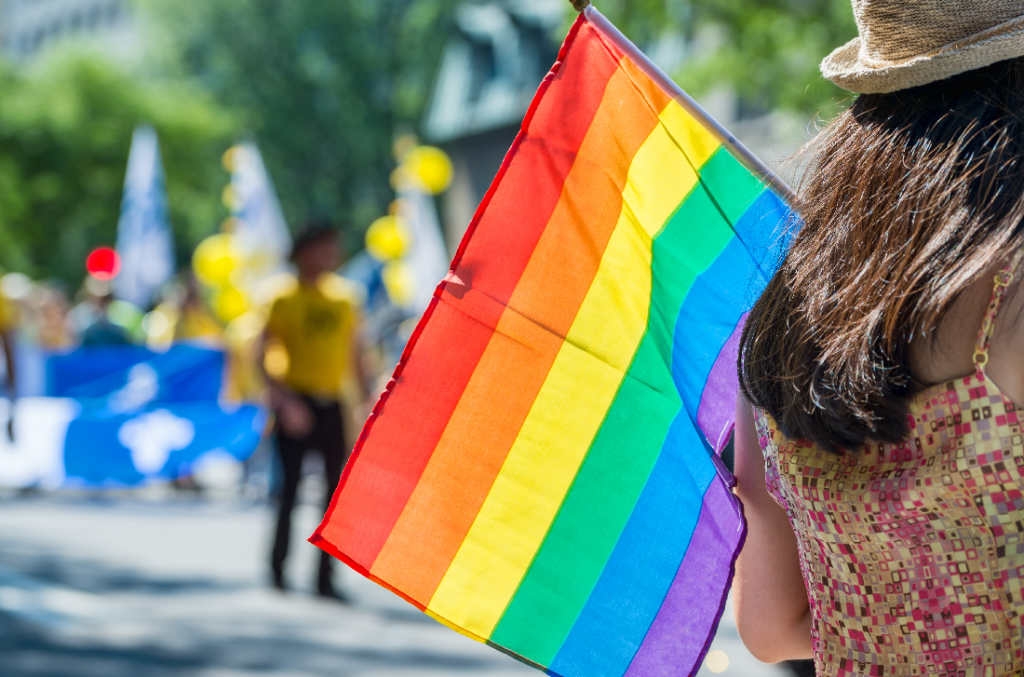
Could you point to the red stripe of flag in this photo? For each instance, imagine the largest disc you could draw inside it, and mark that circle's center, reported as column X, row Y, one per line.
column 408, row 422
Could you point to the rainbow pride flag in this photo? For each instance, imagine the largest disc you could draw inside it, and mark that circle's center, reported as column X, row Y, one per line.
column 542, row 471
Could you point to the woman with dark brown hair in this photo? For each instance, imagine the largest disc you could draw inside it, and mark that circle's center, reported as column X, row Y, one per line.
column 879, row 449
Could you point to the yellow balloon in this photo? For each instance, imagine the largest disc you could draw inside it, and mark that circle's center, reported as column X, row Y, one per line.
column 402, row 178
column 403, row 144
column 215, row 259
column 400, row 282
column 229, row 303
column 231, row 198
column 235, row 158
column 431, row 166
column 388, row 238
column 230, row 158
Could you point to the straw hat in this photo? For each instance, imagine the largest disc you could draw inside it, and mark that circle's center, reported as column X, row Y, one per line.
column 907, row 43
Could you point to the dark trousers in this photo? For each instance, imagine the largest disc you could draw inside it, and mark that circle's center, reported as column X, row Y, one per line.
column 328, row 438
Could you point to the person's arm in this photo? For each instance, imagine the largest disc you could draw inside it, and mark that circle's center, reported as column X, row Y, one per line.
column 366, row 391
column 367, row 396
column 294, row 415
column 8, row 338
column 772, row 613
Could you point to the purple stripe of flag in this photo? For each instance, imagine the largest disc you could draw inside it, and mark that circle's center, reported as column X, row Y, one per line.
column 717, row 410
column 694, row 602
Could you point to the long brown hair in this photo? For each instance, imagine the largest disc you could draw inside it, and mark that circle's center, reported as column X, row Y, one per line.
column 911, row 196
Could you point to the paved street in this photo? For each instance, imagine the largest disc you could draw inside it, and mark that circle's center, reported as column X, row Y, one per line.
column 158, row 584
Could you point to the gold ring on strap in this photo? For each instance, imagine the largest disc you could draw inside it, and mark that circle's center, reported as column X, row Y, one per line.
column 980, row 358
column 1004, row 278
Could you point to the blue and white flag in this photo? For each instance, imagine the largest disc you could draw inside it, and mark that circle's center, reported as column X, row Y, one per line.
column 427, row 257
column 260, row 230
column 144, row 240
column 125, row 415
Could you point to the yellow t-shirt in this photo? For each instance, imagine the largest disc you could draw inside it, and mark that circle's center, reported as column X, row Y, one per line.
column 8, row 314
column 316, row 326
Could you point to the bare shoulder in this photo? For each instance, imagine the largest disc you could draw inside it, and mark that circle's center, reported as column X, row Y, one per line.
column 949, row 353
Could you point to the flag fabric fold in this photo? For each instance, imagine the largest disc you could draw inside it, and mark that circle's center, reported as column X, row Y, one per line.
column 542, row 473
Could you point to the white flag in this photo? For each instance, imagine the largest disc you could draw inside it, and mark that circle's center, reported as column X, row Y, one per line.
column 427, row 256
column 260, row 231
column 144, row 240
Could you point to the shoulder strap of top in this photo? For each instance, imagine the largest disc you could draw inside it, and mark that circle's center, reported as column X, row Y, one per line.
column 1002, row 280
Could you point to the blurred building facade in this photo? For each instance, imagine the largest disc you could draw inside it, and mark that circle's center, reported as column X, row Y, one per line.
column 31, row 27
column 491, row 69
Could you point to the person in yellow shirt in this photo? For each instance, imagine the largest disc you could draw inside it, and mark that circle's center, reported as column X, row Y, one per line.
column 196, row 323
column 316, row 325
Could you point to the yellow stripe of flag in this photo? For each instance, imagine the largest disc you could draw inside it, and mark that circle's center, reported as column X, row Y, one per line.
column 577, row 392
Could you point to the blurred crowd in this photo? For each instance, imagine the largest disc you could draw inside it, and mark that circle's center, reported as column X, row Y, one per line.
column 45, row 316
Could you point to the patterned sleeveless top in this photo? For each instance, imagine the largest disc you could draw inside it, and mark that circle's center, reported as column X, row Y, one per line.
column 913, row 553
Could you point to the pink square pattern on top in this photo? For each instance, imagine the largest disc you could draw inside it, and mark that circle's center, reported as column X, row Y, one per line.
column 913, row 553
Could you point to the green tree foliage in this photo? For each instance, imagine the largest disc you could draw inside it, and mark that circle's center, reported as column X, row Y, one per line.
column 771, row 50
column 323, row 86
column 767, row 50
column 65, row 130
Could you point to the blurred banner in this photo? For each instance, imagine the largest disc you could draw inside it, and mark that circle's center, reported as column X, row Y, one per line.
column 261, row 233
column 125, row 415
column 427, row 256
column 144, row 240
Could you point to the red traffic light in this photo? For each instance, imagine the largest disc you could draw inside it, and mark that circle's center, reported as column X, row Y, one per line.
column 103, row 263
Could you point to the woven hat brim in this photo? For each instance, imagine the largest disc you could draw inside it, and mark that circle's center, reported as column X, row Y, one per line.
column 845, row 67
